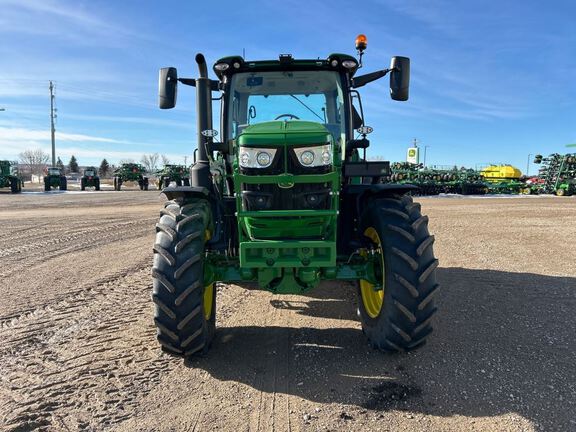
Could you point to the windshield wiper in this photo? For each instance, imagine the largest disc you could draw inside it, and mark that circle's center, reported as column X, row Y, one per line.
column 308, row 108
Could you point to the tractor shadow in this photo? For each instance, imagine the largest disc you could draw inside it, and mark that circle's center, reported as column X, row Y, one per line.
column 503, row 343
column 329, row 300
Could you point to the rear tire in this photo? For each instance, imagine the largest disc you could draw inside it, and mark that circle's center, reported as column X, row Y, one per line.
column 185, row 310
column 63, row 184
column 15, row 185
column 97, row 184
column 46, row 185
column 82, row 184
column 400, row 320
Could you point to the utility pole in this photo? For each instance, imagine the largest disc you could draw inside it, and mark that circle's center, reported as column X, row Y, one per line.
column 528, row 164
column 425, row 148
column 52, row 116
column 185, row 159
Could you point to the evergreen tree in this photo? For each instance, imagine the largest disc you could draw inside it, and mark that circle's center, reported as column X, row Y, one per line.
column 73, row 164
column 60, row 164
column 104, row 168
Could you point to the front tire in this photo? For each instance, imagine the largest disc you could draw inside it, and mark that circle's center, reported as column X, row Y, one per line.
column 185, row 309
column 398, row 317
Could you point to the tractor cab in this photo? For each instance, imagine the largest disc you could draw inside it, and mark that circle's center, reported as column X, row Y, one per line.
column 54, row 171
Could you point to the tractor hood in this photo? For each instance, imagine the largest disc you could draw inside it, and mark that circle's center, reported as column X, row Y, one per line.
column 294, row 132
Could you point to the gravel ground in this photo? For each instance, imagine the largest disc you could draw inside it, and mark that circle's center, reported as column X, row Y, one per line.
column 77, row 347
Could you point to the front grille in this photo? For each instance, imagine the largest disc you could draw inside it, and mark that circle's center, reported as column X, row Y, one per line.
column 313, row 196
column 299, row 197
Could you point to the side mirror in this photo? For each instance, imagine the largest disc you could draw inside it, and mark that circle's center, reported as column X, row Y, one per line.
column 167, row 87
column 399, row 78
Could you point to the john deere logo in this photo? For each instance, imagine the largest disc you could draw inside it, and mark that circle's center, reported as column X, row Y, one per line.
column 411, row 152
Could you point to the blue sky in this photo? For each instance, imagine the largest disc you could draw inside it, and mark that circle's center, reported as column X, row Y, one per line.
column 492, row 81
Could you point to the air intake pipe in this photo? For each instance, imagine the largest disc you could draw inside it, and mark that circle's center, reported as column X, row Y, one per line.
column 200, row 175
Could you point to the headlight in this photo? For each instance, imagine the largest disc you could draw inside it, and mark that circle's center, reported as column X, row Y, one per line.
column 307, row 158
column 256, row 157
column 314, row 156
column 263, row 158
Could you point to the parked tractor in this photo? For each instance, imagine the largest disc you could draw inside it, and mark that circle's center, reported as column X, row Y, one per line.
column 90, row 179
column 9, row 176
column 130, row 172
column 173, row 173
column 287, row 198
column 55, row 179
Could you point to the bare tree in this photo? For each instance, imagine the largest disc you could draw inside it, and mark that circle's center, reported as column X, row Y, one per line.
column 125, row 161
column 165, row 160
column 34, row 160
column 150, row 162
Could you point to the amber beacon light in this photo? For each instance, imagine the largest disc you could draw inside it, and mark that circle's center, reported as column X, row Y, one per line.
column 361, row 42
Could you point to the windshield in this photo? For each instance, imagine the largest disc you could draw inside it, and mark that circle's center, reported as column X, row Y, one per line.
column 306, row 95
column 89, row 173
column 54, row 171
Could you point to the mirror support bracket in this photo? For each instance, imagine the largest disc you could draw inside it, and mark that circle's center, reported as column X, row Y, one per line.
column 362, row 80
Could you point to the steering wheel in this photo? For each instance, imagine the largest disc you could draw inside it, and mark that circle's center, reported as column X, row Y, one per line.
column 292, row 116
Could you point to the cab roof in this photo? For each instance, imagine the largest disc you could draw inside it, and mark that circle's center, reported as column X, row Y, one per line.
column 228, row 66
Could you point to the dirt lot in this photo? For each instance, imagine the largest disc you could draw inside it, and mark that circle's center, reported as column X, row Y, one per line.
column 77, row 347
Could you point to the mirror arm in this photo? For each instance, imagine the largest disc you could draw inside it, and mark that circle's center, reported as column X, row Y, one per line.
column 188, row 81
column 362, row 80
column 214, row 85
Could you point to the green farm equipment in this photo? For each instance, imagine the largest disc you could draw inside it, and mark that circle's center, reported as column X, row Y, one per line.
column 173, row 173
column 55, row 179
column 9, row 176
column 130, row 172
column 557, row 174
column 431, row 181
column 90, row 179
column 286, row 198
column 470, row 182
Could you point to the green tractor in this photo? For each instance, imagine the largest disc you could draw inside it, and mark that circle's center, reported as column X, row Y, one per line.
column 173, row 173
column 286, row 199
column 90, row 179
column 55, row 179
column 9, row 176
column 130, row 172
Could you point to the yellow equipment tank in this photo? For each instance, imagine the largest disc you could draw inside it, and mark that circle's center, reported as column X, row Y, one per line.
column 500, row 172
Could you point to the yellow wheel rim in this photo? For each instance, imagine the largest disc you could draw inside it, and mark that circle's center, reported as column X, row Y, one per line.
column 208, row 300
column 373, row 300
column 208, row 289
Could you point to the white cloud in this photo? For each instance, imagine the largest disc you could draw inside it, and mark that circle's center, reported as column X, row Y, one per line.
column 23, row 135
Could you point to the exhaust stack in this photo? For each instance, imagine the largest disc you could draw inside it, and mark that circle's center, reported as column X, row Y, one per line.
column 200, row 173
